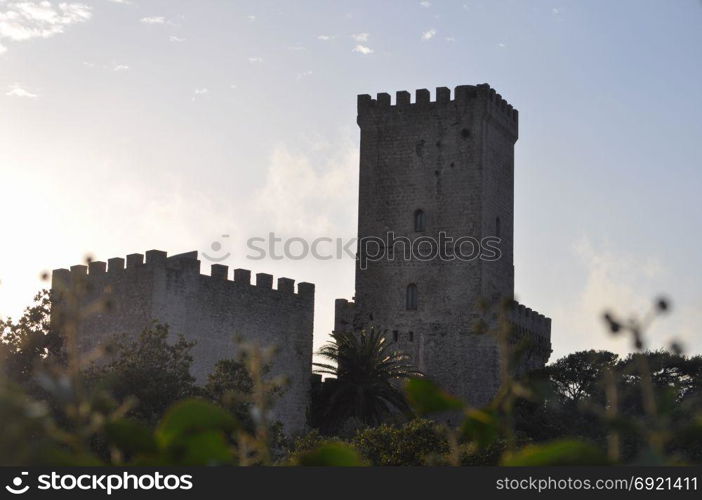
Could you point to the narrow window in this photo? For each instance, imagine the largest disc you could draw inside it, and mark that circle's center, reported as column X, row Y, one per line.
column 395, row 335
column 497, row 227
column 411, row 301
column 411, row 336
column 419, row 220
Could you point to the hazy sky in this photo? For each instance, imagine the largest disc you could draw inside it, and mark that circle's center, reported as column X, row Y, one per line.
column 127, row 125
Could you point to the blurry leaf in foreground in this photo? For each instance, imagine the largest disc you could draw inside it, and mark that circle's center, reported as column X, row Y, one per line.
column 130, row 436
column 614, row 325
column 63, row 457
column 480, row 426
column 190, row 417
column 662, row 304
column 203, row 448
column 332, row 454
column 426, row 397
column 562, row 452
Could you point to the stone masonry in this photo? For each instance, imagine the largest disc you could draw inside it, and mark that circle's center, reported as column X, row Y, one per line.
column 440, row 166
column 211, row 310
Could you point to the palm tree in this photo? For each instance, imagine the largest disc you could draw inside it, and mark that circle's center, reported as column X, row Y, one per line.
column 367, row 371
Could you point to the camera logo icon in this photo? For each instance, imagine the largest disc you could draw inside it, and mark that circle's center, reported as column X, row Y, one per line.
column 216, row 246
column 16, row 487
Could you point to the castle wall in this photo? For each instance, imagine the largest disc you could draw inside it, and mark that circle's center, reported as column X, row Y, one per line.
column 212, row 310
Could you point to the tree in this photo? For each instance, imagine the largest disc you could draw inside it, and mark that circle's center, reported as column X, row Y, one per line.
column 29, row 342
column 568, row 396
column 367, row 373
column 230, row 385
column 150, row 369
column 676, row 378
column 579, row 375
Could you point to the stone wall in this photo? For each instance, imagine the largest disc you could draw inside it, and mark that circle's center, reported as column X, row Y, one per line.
column 212, row 310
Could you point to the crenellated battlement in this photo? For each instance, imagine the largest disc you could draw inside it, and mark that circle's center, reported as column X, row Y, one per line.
column 180, row 264
column 344, row 315
column 219, row 312
column 530, row 320
column 462, row 94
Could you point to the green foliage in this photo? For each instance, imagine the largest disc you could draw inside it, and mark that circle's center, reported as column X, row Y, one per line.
column 137, row 407
column 490, row 455
column 598, row 397
column 307, row 443
column 24, row 422
column 131, row 437
column 310, row 441
column 331, row 455
column 230, row 385
column 29, row 342
column 191, row 417
column 564, row 452
column 580, row 375
column 366, row 370
column 481, row 427
column 418, row 442
column 192, row 432
column 426, row 397
column 152, row 371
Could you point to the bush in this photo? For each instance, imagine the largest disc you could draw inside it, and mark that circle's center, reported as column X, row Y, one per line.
column 415, row 443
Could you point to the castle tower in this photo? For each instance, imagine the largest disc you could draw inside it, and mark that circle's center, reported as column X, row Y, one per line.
column 435, row 230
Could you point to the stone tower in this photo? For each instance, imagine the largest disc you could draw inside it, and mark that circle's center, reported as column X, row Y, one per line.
column 435, row 230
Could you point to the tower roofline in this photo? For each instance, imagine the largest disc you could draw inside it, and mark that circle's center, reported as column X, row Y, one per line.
column 461, row 93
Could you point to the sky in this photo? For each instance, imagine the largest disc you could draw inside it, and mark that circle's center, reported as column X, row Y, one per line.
column 127, row 125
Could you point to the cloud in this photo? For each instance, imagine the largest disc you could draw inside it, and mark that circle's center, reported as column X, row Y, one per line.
column 450, row 39
column 17, row 91
column 555, row 11
column 360, row 37
column 251, row 18
column 304, row 74
column 501, row 45
column 324, row 38
column 255, row 60
column 362, row 49
column 3, row 49
column 425, row 4
column 310, row 191
column 307, row 193
column 200, row 92
column 153, row 20
column 428, row 35
column 123, row 2
column 26, row 20
column 175, row 39
column 106, row 67
column 622, row 282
